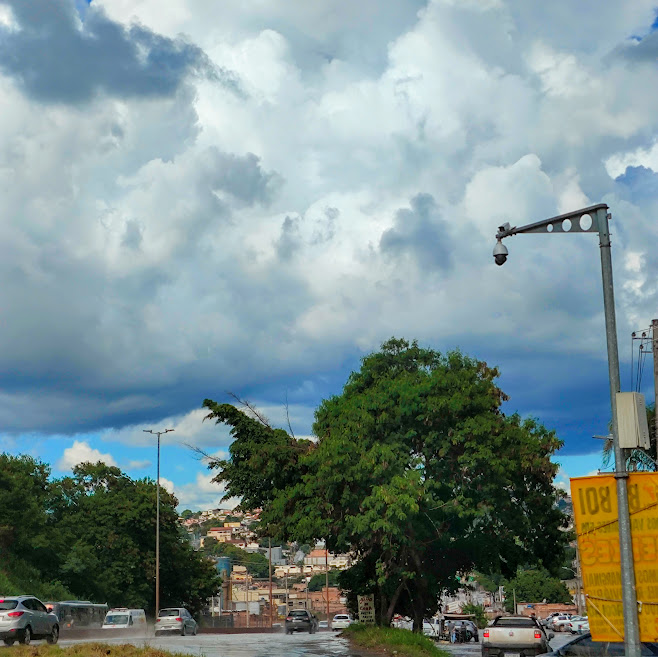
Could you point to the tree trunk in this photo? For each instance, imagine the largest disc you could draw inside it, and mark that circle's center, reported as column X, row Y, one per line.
column 391, row 606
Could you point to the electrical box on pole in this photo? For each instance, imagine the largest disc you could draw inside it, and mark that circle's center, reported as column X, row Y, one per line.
column 632, row 421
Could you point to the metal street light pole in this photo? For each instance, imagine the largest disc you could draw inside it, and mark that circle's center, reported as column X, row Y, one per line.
column 157, row 523
column 594, row 219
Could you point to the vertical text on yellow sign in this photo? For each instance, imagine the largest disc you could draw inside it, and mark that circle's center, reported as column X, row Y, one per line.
column 595, row 514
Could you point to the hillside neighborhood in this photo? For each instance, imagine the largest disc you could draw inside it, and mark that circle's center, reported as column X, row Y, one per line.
column 298, row 574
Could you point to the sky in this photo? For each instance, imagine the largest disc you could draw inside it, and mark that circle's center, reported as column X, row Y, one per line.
column 240, row 197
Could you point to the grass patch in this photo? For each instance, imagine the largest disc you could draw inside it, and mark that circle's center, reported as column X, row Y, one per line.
column 392, row 640
column 87, row 650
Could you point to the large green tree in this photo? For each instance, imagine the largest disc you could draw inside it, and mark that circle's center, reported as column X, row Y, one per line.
column 23, row 495
column 415, row 470
column 103, row 531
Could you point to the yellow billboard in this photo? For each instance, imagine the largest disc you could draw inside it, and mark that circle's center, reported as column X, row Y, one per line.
column 595, row 515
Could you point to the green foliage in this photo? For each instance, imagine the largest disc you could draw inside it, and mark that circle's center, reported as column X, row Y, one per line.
column 96, row 530
column 481, row 619
column 257, row 564
column 535, row 585
column 416, row 471
column 318, row 582
column 19, row 577
column 490, row 582
column 23, row 495
column 103, row 526
column 392, row 640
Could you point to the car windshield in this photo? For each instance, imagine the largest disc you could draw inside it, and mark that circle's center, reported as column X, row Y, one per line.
column 118, row 619
column 169, row 612
column 8, row 604
column 299, row 613
column 341, row 617
column 515, row 622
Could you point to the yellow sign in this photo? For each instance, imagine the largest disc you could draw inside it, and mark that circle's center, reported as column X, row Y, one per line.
column 595, row 512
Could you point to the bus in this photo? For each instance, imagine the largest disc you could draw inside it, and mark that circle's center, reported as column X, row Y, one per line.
column 78, row 614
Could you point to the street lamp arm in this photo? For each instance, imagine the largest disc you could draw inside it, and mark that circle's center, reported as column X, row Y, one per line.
column 556, row 224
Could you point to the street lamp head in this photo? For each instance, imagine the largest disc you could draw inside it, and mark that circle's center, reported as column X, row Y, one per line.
column 500, row 253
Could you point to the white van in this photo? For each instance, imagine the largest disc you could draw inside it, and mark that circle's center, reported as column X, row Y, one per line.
column 122, row 618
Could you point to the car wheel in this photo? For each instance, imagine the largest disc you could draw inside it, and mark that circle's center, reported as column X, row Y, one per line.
column 27, row 636
column 194, row 630
column 9, row 642
column 182, row 632
column 53, row 637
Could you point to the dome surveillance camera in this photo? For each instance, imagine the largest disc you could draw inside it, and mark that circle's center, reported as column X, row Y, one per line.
column 500, row 253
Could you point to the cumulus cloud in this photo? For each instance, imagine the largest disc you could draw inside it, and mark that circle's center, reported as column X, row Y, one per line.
column 174, row 231
column 202, row 494
column 82, row 452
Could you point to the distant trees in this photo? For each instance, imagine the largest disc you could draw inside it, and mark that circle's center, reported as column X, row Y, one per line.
column 318, row 582
column 415, row 470
column 256, row 563
column 96, row 530
column 535, row 585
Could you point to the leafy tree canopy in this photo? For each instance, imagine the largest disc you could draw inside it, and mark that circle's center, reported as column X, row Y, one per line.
column 416, row 471
column 535, row 585
column 318, row 582
column 257, row 564
column 96, row 530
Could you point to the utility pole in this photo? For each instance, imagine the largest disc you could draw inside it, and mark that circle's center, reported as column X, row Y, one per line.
column 326, row 579
column 654, row 344
column 157, row 522
column 247, row 597
column 270, row 565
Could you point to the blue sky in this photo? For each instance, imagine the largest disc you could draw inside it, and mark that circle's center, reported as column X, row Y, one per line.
column 214, row 199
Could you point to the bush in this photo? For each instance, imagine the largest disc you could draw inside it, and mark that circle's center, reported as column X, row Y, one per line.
column 392, row 639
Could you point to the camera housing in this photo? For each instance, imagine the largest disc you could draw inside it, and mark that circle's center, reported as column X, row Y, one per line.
column 500, row 253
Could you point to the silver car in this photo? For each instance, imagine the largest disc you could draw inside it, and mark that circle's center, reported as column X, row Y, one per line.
column 24, row 617
column 175, row 619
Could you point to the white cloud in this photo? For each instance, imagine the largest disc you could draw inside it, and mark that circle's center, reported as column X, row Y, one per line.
column 166, row 247
column 138, row 465
column 202, row 494
column 82, row 452
column 167, row 485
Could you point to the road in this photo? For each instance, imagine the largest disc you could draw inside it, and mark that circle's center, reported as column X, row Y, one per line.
column 322, row 644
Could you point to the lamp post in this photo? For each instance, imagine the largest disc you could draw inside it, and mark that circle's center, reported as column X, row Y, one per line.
column 157, row 523
column 594, row 219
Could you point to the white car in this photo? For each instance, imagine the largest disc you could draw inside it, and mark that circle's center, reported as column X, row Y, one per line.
column 560, row 623
column 578, row 625
column 341, row 621
column 431, row 628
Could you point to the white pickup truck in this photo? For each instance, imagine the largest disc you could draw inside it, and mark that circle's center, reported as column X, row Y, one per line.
column 514, row 636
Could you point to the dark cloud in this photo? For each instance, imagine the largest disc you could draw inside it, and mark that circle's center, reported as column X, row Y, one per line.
column 56, row 58
column 241, row 176
column 290, row 241
column 420, row 233
column 642, row 50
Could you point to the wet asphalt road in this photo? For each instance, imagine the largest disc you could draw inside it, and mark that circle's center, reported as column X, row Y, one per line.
column 322, row 644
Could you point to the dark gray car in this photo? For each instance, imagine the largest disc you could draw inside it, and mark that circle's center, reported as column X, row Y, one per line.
column 584, row 646
column 301, row 620
column 24, row 617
